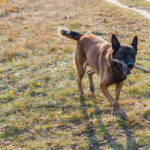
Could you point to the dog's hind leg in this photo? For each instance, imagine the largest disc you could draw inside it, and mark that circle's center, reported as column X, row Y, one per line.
column 79, row 61
column 92, row 86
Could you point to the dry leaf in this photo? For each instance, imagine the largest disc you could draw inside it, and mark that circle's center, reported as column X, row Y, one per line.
column 131, row 101
column 61, row 97
column 32, row 131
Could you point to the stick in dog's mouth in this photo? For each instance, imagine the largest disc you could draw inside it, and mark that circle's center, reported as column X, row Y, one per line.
column 137, row 67
column 124, row 68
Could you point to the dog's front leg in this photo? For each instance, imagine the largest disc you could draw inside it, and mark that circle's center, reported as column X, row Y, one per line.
column 113, row 102
column 117, row 94
column 118, row 90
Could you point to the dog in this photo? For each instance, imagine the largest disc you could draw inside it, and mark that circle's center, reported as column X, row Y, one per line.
column 100, row 55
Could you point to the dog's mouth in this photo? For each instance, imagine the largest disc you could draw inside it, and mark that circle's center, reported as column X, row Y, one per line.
column 126, row 70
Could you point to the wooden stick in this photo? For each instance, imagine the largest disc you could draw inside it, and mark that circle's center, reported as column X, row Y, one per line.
column 143, row 69
column 137, row 67
column 117, row 61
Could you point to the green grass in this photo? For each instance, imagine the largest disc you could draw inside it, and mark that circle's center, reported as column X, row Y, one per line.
column 40, row 107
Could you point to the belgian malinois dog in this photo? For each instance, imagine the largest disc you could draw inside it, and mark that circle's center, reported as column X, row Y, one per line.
column 100, row 55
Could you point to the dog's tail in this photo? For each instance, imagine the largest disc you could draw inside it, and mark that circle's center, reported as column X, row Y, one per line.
column 69, row 34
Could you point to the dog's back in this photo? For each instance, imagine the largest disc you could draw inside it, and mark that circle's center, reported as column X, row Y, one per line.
column 89, row 47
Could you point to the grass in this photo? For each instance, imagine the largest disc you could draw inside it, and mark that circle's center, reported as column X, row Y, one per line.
column 40, row 107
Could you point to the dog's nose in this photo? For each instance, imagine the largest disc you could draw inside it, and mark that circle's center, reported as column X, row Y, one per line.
column 130, row 65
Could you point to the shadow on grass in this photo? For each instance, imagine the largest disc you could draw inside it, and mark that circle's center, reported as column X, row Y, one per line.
column 113, row 144
column 94, row 143
column 91, row 133
column 13, row 132
column 131, row 143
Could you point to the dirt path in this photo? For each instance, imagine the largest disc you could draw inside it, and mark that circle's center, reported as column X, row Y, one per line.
column 141, row 12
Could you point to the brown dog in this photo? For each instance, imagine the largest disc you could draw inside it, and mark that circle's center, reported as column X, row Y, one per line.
column 99, row 54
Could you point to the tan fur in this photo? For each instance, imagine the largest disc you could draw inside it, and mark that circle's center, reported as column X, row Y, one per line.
column 97, row 53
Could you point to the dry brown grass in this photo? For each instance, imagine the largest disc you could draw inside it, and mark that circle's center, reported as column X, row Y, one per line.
column 39, row 103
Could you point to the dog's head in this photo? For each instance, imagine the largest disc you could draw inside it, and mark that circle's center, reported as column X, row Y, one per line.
column 124, row 54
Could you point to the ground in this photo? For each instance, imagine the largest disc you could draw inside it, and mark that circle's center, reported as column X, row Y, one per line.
column 40, row 107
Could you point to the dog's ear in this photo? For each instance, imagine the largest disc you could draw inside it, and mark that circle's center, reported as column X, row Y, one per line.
column 115, row 43
column 134, row 43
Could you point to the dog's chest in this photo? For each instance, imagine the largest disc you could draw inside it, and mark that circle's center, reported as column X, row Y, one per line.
column 119, row 78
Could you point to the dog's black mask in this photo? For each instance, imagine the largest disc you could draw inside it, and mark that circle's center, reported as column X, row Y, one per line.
column 125, row 54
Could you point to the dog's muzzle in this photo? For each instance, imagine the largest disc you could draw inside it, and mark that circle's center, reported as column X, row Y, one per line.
column 125, row 68
column 130, row 65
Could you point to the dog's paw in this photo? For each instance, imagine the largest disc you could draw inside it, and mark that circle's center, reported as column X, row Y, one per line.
column 119, row 110
column 122, row 113
column 114, row 113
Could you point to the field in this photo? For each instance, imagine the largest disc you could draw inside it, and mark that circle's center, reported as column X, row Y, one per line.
column 40, row 107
